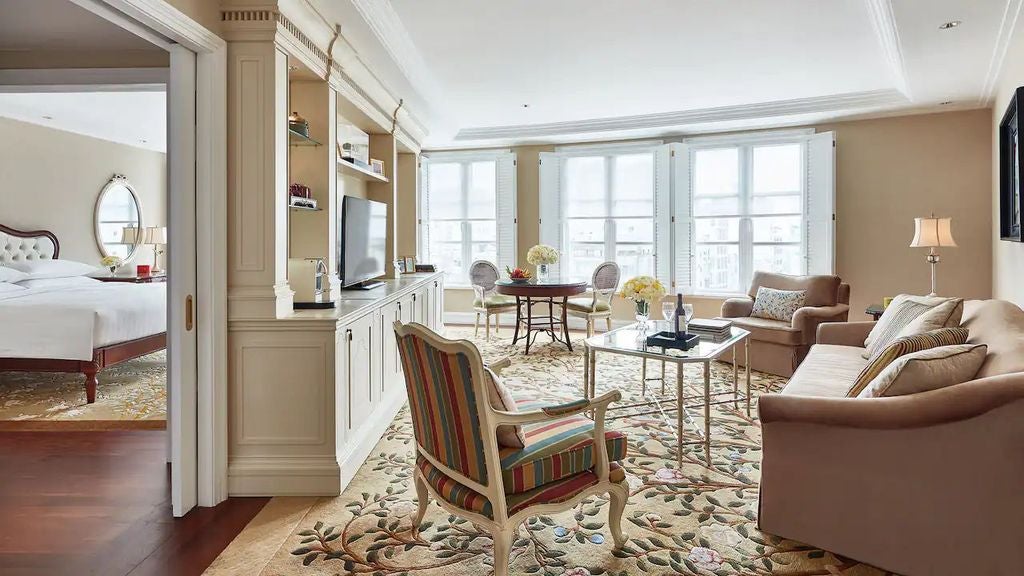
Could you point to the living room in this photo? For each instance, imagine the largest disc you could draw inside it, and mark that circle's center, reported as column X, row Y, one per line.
column 770, row 253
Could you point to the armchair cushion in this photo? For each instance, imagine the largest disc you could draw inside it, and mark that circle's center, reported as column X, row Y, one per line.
column 766, row 330
column 777, row 304
column 467, row 499
column 494, row 301
column 555, row 449
column 586, row 304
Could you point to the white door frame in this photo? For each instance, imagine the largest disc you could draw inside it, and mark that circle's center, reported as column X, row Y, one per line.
column 163, row 24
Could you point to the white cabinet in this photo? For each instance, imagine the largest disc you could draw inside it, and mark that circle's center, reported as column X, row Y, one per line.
column 391, row 362
column 359, row 340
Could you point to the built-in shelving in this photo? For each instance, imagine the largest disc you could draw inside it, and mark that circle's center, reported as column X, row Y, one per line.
column 351, row 169
column 296, row 139
column 304, row 208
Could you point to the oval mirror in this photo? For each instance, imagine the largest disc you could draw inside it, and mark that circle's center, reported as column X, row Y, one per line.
column 118, row 219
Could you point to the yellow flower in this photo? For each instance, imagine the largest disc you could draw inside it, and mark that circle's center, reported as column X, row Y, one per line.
column 643, row 288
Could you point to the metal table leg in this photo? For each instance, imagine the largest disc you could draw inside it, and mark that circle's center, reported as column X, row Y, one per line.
column 746, row 348
column 707, row 412
column 735, row 381
column 519, row 319
column 680, row 414
column 565, row 321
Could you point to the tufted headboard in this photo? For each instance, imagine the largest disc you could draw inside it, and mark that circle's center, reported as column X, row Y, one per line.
column 17, row 245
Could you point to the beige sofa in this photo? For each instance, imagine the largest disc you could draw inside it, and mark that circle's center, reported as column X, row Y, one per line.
column 929, row 483
column 778, row 347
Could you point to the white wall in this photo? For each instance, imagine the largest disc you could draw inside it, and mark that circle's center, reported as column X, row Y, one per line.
column 50, row 179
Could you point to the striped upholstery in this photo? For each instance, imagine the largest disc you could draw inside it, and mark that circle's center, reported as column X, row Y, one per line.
column 443, row 406
column 901, row 347
column 554, row 450
column 560, row 491
column 903, row 310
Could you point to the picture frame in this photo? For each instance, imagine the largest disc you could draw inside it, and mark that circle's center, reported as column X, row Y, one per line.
column 410, row 263
column 400, row 265
column 377, row 167
column 1011, row 160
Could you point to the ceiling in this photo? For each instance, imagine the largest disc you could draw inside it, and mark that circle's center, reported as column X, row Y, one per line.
column 533, row 71
column 59, row 25
column 134, row 118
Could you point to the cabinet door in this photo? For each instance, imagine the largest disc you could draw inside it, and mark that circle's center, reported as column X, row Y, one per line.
column 361, row 395
column 391, row 363
column 437, row 304
column 421, row 306
column 342, row 377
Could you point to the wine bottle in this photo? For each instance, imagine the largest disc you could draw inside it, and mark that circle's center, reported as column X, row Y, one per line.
column 679, row 310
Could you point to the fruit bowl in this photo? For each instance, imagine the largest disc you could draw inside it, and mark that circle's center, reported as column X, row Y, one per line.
column 518, row 276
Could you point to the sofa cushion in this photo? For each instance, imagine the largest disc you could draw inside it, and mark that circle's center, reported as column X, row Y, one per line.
column 900, row 314
column 820, row 290
column 1000, row 325
column 827, row 371
column 927, row 370
column 903, row 346
column 777, row 304
column 767, row 330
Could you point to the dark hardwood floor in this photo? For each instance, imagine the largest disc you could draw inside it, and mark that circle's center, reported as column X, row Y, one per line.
column 98, row 503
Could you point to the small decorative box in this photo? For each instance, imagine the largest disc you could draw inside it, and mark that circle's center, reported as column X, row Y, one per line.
column 670, row 340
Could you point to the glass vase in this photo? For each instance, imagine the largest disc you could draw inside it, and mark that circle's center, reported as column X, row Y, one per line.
column 542, row 272
column 643, row 314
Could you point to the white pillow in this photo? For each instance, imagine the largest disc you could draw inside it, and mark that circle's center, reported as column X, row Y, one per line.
column 53, row 268
column 8, row 274
column 775, row 304
column 58, row 282
column 903, row 310
column 927, row 370
column 7, row 288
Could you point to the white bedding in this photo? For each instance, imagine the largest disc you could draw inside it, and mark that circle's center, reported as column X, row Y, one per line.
column 63, row 321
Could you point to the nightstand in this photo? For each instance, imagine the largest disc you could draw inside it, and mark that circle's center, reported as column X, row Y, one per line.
column 132, row 279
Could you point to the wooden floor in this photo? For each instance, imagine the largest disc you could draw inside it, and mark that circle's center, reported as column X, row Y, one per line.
column 98, row 503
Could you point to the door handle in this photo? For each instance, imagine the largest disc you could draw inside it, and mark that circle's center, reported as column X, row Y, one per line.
column 188, row 313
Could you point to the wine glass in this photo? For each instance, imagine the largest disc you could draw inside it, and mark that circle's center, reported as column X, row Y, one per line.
column 668, row 310
column 687, row 313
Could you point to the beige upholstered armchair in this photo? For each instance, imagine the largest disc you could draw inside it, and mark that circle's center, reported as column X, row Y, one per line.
column 598, row 304
column 776, row 346
column 483, row 275
column 563, row 456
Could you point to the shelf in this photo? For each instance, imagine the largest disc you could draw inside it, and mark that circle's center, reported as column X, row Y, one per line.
column 304, row 208
column 296, row 139
column 359, row 172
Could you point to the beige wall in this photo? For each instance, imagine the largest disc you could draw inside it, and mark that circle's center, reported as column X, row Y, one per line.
column 1008, row 257
column 205, row 12
column 887, row 172
column 50, row 179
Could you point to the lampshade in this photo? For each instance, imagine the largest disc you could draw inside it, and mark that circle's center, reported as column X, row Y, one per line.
column 129, row 235
column 932, row 233
column 156, row 235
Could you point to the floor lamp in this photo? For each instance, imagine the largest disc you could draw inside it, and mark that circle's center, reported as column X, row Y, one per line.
column 933, row 233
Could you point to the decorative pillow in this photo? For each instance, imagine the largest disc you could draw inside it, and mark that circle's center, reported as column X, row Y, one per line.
column 8, row 274
column 927, row 370
column 777, row 304
column 902, row 347
column 53, row 268
column 903, row 310
column 509, row 436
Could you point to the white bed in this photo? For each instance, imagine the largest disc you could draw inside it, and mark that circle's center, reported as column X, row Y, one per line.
column 75, row 324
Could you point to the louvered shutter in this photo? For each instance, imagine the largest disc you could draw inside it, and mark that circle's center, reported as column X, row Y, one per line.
column 423, row 224
column 506, row 210
column 820, row 204
column 682, row 210
column 663, row 214
column 551, row 228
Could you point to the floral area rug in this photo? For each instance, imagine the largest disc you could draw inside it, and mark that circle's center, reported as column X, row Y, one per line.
column 133, row 390
column 680, row 520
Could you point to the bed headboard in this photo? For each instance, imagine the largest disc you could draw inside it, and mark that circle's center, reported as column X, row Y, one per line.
column 20, row 245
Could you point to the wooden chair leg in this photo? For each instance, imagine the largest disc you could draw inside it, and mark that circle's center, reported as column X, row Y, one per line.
column 422, row 500
column 487, row 326
column 476, row 326
column 609, row 321
column 497, row 324
column 618, row 496
column 502, row 549
column 590, row 327
column 90, row 383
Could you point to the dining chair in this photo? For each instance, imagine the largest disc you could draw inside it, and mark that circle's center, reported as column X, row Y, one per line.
column 460, row 464
column 483, row 275
column 598, row 305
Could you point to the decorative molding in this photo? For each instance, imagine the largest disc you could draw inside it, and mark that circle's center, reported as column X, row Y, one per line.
column 295, row 475
column 887, row 31
column 168, row 21
column 995, row 67
column 74, row 79
column 836, row 102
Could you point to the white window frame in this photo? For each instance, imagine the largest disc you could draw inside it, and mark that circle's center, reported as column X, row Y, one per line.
column 505, row 205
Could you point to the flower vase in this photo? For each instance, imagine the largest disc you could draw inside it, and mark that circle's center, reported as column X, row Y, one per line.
column 113, row 270
column 542, row 272
column 643, row 314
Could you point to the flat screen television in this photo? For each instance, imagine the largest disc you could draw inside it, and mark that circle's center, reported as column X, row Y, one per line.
column 362, row 243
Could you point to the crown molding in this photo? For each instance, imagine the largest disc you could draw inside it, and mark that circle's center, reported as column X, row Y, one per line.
column 1002, row 44
column 167, row 21
column 875, row 99
column 887, row 32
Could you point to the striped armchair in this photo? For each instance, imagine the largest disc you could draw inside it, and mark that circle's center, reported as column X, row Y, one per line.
column 460, row 464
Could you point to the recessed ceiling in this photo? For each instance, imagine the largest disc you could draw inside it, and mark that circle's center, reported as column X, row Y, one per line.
column 136, row 119
column 59, row 25
column 603, row 69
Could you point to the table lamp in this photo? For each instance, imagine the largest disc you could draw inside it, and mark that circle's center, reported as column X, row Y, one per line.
column 157, row 236
column 933, row 233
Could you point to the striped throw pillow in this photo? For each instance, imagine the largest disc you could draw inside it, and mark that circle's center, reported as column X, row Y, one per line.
column 902, row 312
column 901, row 347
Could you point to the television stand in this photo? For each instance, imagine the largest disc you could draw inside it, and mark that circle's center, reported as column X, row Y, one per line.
column 367, row 285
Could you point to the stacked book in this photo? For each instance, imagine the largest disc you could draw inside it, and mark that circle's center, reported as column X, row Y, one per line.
column 710, row 330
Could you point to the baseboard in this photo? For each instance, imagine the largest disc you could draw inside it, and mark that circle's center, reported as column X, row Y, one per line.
column 283, row 476
column 80, row 425
column 358, row 447
column 507, row 321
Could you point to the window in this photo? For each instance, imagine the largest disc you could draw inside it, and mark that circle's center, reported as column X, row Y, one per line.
column 467, row 212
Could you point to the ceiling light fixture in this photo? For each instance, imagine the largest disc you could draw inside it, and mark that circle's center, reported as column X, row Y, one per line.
column 950, row 25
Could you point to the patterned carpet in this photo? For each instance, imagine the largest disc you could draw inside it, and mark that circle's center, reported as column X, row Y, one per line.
column 134, row 390
column 689, row 520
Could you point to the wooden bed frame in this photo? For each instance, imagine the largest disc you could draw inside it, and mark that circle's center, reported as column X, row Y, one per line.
column 101, row 357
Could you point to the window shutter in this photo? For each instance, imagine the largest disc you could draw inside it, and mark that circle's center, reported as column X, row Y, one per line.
column 820, row 204
column 682, row 210
column 506, row 217
column 551, row 232
column 422, row 226
column 663, row 214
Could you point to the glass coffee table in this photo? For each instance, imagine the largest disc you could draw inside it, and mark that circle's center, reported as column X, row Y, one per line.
column 629, row 341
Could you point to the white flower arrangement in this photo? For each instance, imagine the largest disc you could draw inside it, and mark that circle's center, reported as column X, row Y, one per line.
column 643, row 289
column 542, row 254
column 112, row 262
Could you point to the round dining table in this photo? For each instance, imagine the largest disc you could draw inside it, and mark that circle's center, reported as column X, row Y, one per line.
column 550, row 291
